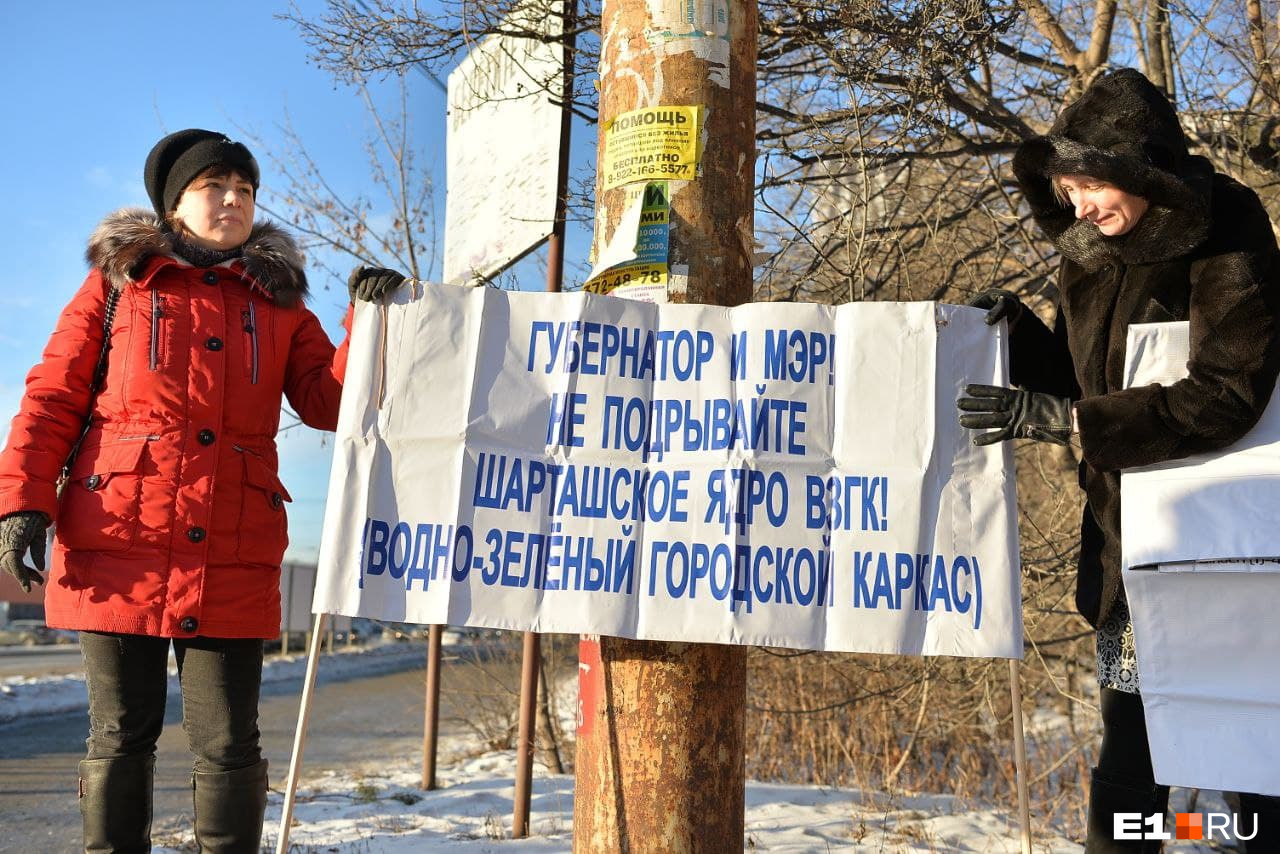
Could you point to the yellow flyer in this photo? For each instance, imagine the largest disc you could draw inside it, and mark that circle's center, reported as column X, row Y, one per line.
column 653, row 143
column 625, row 277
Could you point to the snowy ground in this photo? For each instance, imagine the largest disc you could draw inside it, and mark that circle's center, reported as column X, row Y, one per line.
column 471, row 811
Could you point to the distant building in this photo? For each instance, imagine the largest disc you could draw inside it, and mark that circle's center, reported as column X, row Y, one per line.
column 17, row 605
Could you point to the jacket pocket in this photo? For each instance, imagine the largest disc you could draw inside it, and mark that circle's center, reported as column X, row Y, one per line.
column 100, row 508
column 263, row 531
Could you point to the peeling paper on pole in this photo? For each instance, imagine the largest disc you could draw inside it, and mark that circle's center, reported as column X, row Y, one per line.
column 700, row 27
column 634, row 263
column 678, row 280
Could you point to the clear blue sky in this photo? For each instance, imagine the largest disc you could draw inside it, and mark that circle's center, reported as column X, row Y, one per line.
column 88, row 88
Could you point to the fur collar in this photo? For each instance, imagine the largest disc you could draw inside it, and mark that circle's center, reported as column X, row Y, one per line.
column 125, row 240
column 1124, row 131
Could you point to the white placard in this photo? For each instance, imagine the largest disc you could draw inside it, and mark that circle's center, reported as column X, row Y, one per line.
column 1202, row 531
column 777, row 474
column 1205, row 507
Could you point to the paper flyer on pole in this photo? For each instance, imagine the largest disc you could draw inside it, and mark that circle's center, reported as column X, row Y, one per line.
column 1200, row 544
column 777, row 474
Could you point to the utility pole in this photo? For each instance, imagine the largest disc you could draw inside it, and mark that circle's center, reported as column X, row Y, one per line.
column 660, row 758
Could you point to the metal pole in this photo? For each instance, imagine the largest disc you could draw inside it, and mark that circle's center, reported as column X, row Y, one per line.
column 555, row 245
column 555, row 280
column 431, row 717
column 1020, row 757
column 661, row 753
column 300, row 735
column 524, row 748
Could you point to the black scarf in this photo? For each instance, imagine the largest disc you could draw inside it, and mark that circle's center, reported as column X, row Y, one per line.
column 201, row 256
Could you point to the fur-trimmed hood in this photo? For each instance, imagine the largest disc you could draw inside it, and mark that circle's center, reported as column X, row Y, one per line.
column 125, row 240
column 1124, row 131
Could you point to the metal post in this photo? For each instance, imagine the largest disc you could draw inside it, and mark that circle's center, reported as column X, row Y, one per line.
column 555, row 244
column 431, row 716
column 660, row 758
column 524, row 745
column 555, row 278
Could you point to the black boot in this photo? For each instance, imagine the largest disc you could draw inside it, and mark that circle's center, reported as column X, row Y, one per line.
column 229, row 809
column 1267, row 838
column 115, row 803
column 1109, row 795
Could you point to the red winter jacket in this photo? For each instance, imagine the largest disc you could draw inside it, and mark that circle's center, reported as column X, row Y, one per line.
column 172, row 522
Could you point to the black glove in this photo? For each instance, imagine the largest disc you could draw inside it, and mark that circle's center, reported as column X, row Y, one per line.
column 19, row 532
column 1015, row 414
column 1000, row 305
column 371, row 284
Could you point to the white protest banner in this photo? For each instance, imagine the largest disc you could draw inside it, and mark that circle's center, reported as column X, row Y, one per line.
column 1199, row 540
column 777, row 474
column 502, row 147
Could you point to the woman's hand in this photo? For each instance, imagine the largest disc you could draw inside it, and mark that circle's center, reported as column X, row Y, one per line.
column 21, row 532
column 371, row 284
column 1015, row 413
column 1000, row 305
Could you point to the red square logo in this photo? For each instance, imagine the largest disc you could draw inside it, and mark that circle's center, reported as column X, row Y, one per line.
column 1189, row 825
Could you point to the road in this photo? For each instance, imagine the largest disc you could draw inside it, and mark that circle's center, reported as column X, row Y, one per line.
column 46, row 660
column 354, row 724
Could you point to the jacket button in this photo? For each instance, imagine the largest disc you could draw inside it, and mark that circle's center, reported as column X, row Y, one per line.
column 205, row 437
column 93, row 481
column 276, row 500
column 188, row 624
column 195, row 534
column 210, row 277
column 214, row 343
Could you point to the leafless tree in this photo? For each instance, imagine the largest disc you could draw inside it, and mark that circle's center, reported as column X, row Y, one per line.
column 390, row 224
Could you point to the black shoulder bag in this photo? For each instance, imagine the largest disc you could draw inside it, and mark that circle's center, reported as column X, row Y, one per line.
column 99, row 377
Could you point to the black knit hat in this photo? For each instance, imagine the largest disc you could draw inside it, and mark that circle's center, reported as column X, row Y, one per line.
column 176, row 160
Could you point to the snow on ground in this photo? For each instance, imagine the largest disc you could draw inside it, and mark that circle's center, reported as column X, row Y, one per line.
column 371, row 813
column 471, row 812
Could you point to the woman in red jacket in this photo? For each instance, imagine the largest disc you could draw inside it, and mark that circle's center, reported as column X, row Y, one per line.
column 171, row 521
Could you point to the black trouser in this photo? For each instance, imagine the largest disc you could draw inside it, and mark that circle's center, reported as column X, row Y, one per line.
column 1123, row 781
column 127, row 677
column 1125, row 753
column 128, row 680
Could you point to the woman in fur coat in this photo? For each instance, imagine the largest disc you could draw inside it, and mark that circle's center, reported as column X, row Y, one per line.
column 1147, row 233
column 171, row 518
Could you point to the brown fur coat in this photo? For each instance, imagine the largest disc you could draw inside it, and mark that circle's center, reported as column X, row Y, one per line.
column 1204, row 252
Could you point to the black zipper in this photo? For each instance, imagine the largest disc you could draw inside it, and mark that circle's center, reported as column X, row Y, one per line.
column 156, row 312
column 251, row 328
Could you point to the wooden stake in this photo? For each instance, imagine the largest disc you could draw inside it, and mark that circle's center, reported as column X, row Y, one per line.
column 1020, row 757
column 300, row 736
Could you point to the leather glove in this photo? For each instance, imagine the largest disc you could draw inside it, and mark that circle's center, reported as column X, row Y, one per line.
column 371, row 284
column 1000, row 305
column 1015, row 414
column 19, row 532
